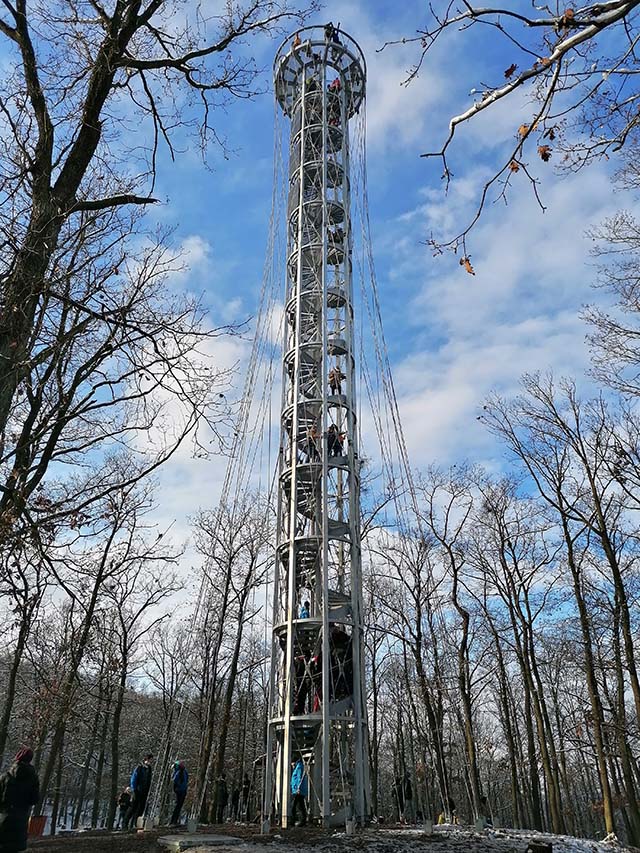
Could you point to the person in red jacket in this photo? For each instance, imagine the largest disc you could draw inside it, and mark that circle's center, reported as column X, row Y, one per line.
column 19, row 791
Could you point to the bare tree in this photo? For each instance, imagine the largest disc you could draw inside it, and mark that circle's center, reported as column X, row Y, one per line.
column 87, row 574
column 576, row 66
column 568, row 448
column 23, row 581
column 234, row 542
column 614, row 333
column 90, row 346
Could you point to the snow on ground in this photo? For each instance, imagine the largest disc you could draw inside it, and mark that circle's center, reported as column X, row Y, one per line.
column 444, row 839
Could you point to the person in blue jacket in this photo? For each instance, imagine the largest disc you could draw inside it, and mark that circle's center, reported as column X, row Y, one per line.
column 140, row 784
column 299, row 791
column 180, row 781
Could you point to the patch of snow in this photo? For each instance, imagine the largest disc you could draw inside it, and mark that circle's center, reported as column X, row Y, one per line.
column 447, row 839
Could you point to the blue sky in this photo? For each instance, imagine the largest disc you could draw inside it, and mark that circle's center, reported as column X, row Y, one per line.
column 452, row 337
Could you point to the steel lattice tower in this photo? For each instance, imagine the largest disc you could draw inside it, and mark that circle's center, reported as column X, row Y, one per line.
column 317, row 708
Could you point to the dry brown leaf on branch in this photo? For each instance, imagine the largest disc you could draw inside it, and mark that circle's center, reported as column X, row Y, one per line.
column 550, row 133
column 510, row 71
column 466, row 263
column 567, row 19
column 545, row 62
column 545, row 152
column 514, row 166
column 523, row 130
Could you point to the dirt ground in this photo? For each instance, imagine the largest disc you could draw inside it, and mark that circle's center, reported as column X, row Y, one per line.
column 387, row 840
column 130, row 842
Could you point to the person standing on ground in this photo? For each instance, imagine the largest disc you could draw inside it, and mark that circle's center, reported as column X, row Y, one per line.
column 180, row 781
column 398, row 796
column 140, row 785
column 124, row 801
column 299, row 791
column 452, row 810
column 486, row 812
column 235, row 803
column 409, row 815
column 246, row 794
column 19, row 791
column 221, row 797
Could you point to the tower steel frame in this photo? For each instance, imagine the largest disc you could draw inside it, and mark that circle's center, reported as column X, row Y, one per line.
column 317, row 709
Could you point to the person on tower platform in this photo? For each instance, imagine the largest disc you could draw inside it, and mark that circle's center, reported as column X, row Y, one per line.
column 334, row 86
column 299, row 791
column 341, row 664
column 301, row 684
column 336, row 236
column 335, row 441
column 316, row 681
column 305, row 610
column 336, row 378
column 329, row 30
column 311, row 447
column 296, row 41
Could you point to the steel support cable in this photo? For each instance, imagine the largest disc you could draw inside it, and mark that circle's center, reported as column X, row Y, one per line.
column 265, row 296
column 404, row 511
column 247, row 441
column 374, row 387
column 265, row 319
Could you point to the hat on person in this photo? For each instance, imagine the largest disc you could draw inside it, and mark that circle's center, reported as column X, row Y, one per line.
column 24, row 755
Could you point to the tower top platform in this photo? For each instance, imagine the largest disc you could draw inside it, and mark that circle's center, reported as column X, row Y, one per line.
column 308, row 54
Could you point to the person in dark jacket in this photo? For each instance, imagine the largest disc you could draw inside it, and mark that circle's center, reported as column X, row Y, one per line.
column 235, row 803
column 19, row 791
column 398, row 796
column 140, row 784
column 124, row 801
column 180, row 779
column 221, row 797
column 409, row 816
column 246, row 795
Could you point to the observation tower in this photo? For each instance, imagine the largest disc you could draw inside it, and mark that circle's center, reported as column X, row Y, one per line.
column 317, row 712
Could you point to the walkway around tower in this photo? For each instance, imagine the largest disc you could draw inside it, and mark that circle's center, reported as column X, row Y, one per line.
column 317, row 719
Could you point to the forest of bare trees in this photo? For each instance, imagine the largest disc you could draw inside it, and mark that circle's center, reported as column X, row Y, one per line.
column 502, row 620
column 501, row 631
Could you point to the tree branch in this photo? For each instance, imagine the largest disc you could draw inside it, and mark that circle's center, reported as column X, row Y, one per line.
column 112, row 201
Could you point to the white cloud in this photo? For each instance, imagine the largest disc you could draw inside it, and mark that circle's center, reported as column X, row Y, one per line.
column 468, row 335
